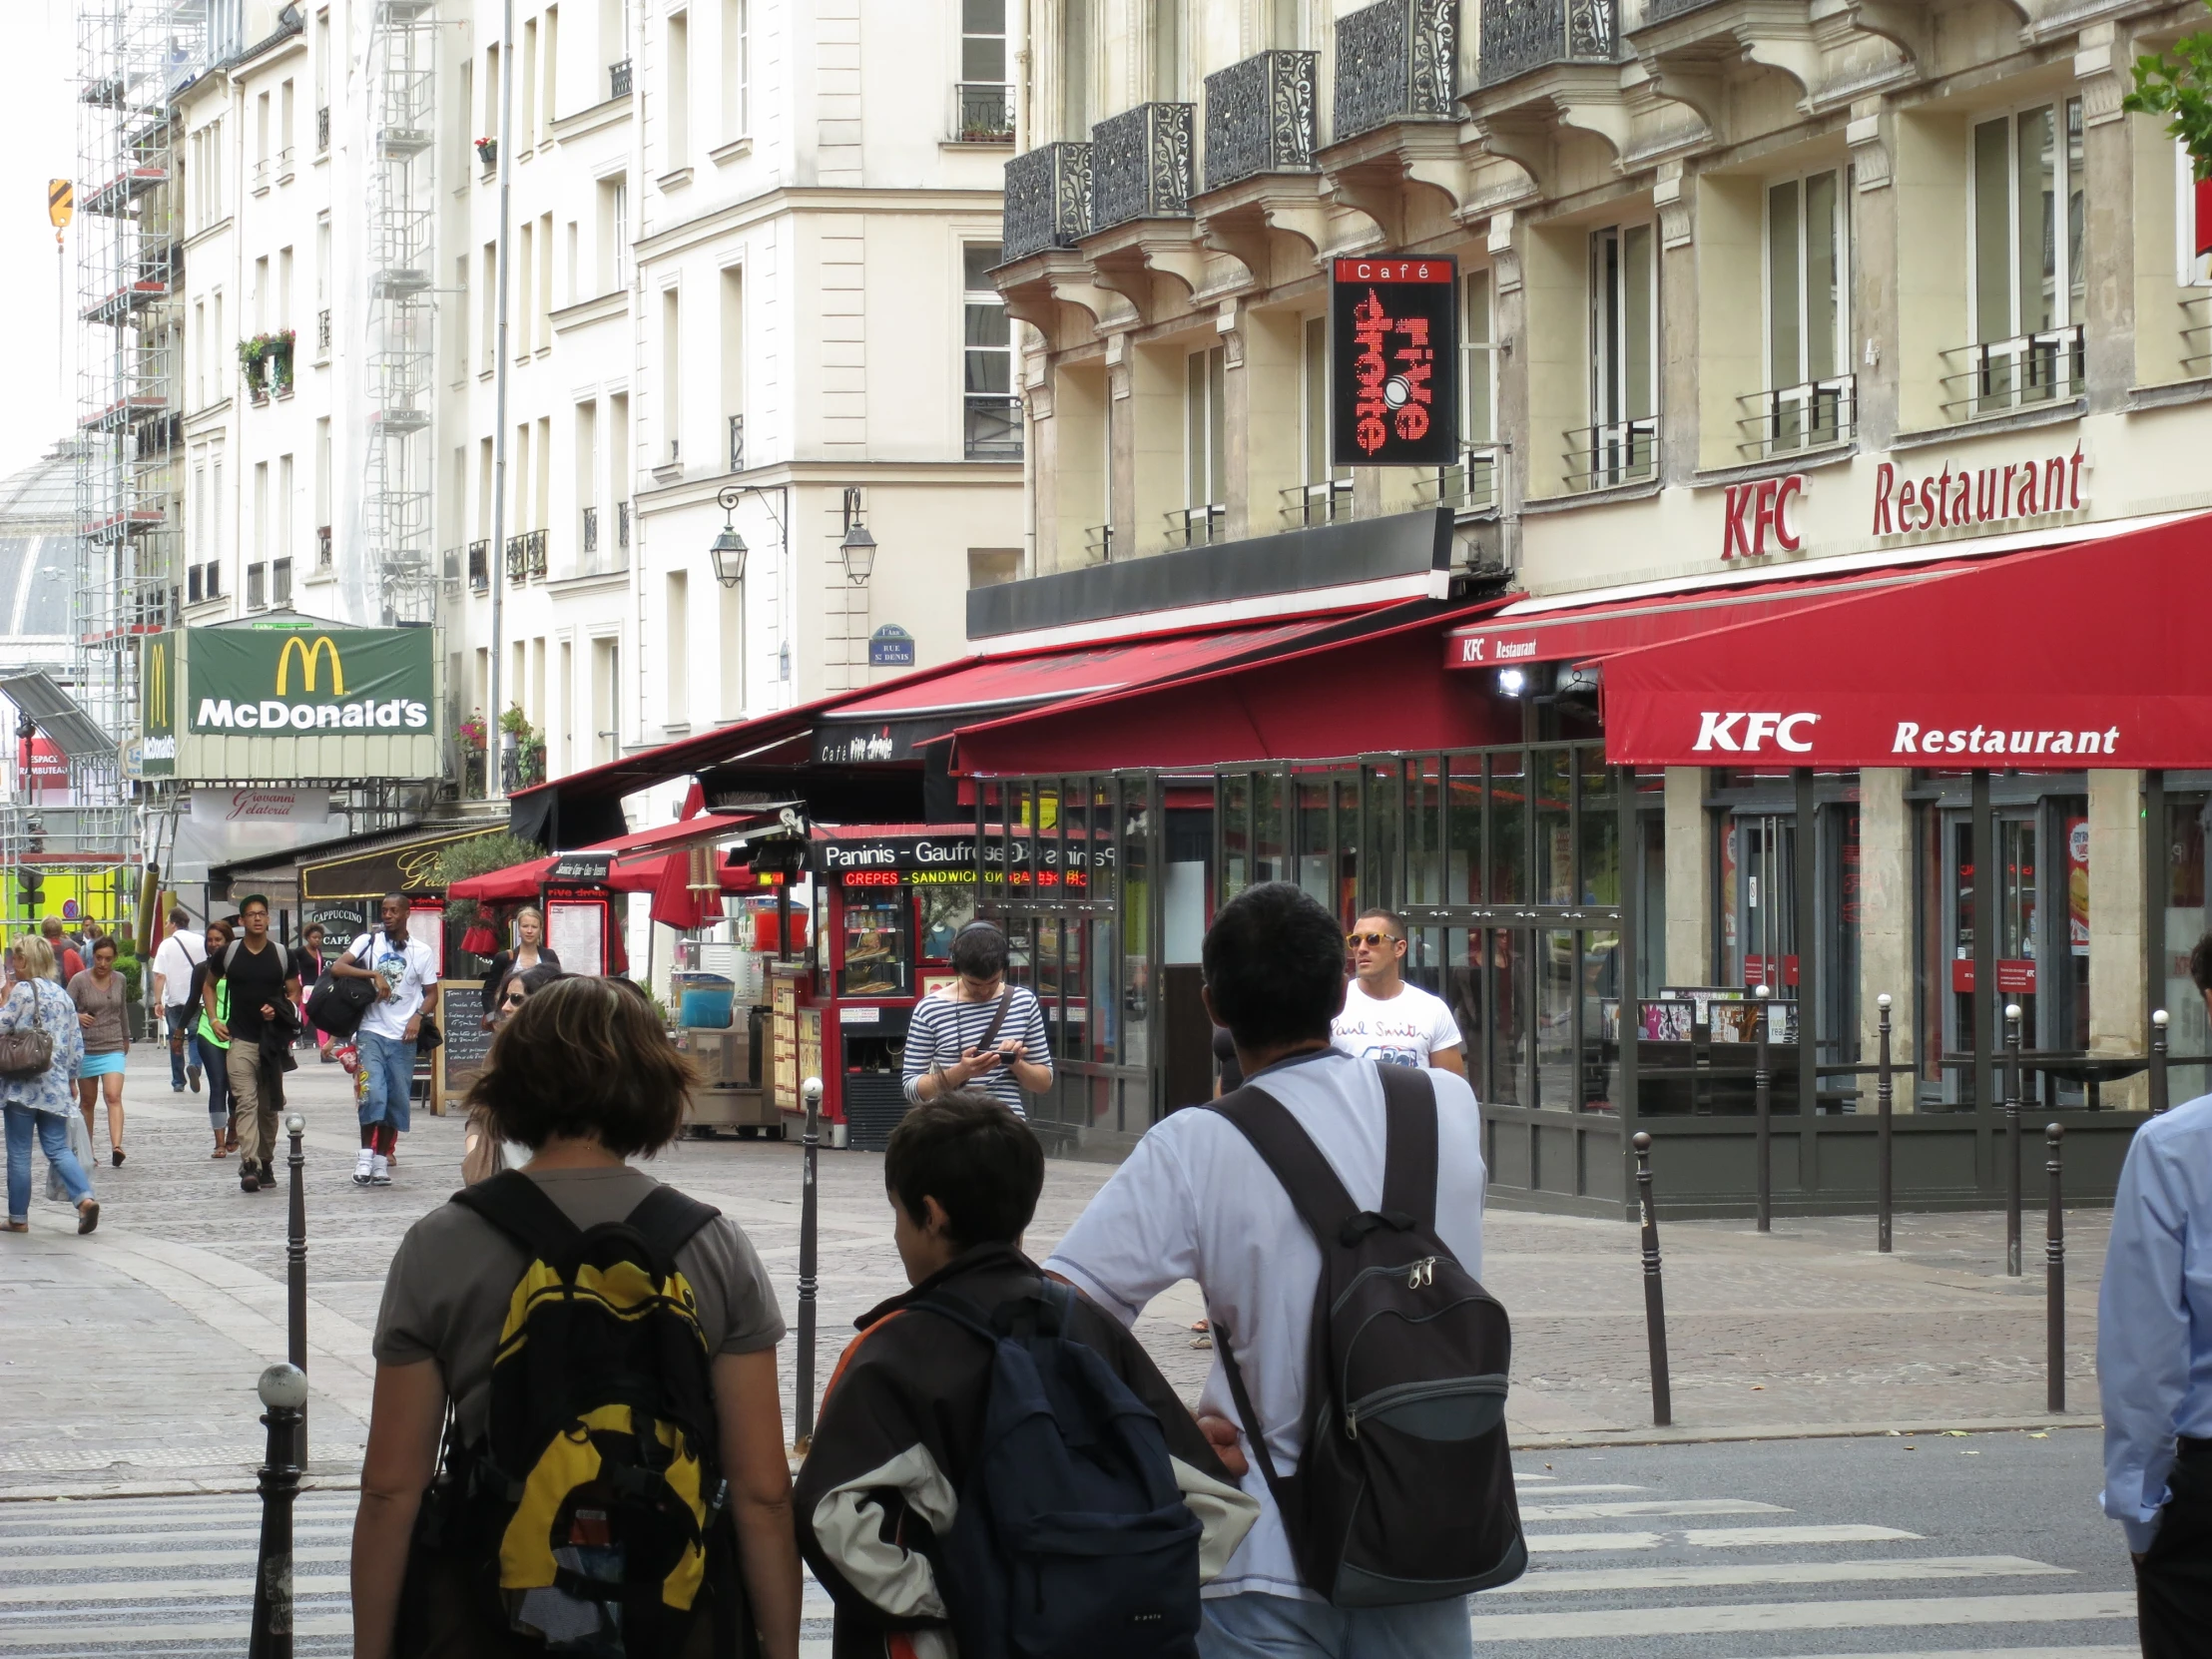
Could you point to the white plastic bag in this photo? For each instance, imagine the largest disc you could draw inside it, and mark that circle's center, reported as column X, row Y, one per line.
column 80, row 1143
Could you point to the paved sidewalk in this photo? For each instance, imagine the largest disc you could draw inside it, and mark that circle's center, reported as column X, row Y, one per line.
column 129, row 1357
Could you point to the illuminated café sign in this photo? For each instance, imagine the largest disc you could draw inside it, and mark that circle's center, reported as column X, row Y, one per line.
column 1958, row 497
column 1394, row 350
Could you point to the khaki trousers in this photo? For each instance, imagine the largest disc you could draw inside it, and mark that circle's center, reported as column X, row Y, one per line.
column 257, row 1120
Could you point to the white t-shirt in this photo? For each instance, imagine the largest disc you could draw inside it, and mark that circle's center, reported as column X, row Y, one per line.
column 1404, row 1032
column 407, row 969
column 1195, row 1201
column 174, row 960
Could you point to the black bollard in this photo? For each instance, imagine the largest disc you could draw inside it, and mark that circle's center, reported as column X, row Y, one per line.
column 283, row 1392
column 811, row 1092
column 2013, row 1140
column 1762, row 1092
column 295, row 1272
column 1885, row 1094
column 1656, row 1301
column 2158, row 1101
column 2054, row 1277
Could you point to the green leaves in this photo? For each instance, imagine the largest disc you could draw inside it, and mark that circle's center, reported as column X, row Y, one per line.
column 2177, row 82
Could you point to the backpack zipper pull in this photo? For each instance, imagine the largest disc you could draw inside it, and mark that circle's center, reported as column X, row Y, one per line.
column 1422, row 1274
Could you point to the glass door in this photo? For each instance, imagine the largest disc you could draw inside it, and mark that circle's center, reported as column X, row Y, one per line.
column 1760, row 869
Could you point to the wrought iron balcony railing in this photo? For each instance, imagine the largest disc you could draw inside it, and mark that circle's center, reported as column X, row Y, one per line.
column 1201, row 526
column 1049, row 200
column 1621, row 453
column 982, row 112
column 591, row 531
column 322, row 547
column 1141, row 165
column 1806, row 416
column 737, row 443
column 322, row 129
column 1259, row 118
column 618, row 79
column 1327, row 501
column 622, row 525
column 1394, row 59
column 2016, row 374
column 1473, row 483
column 993, row 430
column 1658, row 11
column 1098, row 544
column 1521, row 35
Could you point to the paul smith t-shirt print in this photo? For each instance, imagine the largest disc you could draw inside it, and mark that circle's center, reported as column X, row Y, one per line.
column 1403, row 1031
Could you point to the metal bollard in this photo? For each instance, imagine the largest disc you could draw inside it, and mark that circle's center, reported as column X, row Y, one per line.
column 811, row 1092
column 2158, row 1051
column 295, row 1272
column 1885, row 1099
column 283, row 1392
column 2054, row 1277
column 2013, row 1140
column 1656, row 1301
column 1761, row 1091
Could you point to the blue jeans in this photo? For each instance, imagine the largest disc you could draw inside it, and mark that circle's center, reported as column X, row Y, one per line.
column 1256, row 1625
column 181, row 1020
column 214, row 1062
column 389, row 1062
column 53, row 1140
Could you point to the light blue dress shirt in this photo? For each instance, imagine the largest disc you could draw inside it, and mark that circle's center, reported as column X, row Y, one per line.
column 2154, row 1314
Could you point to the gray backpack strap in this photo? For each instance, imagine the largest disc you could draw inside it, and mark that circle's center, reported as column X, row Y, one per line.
column 1409, row 1151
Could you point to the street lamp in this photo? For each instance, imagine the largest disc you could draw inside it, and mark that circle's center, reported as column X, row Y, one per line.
column 858, row 552
column 728, row 551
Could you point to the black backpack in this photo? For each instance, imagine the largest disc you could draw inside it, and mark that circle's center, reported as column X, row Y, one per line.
column 1404, row 1491
column 592, row 1519
column 338, row 1005
column 1072, row 1539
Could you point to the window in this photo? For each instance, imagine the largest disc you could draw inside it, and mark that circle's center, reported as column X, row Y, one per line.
column 1167, row 51
column 2027, row 282
column 672, row 373
column 1621, row 443
column 1325, row 495
column 285, row 126
column 285, row 485
column 1075, row 69
column 987, row 111
column 676, row 667
column 256, row 587
column 1206, row 446
column 528, row 135
column 545, row 282
column 678, row 137
column 1471, row 483
column 733, row 363
column 730, row 650
column 526, row 308
column 489, row 293
column 736, row 87
column 992, row 411
column 1811, row 398
column 1289, row 23
column 549, row 104
column 614, row 234
column 280, row 582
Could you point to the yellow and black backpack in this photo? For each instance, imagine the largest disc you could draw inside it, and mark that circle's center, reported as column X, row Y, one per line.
column 592, row 1519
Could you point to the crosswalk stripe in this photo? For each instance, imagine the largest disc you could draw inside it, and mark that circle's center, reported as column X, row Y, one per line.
column 1562, row 1543
column 1571, row 1582
column 181, row 1589
column 1753, row 1617
column 2129, row 1651
column 1572, row 1491
column 1658, row 1506
column 1752, row 1537
column 241, row 1559
column 77, row 1638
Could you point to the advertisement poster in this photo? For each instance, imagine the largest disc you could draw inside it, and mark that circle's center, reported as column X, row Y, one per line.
column 2078, row 885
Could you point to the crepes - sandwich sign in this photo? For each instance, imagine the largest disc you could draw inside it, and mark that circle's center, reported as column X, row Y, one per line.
column 299, row 681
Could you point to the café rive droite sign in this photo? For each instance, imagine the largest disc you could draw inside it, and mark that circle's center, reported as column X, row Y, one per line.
column 1393, row 353
column 292, row 699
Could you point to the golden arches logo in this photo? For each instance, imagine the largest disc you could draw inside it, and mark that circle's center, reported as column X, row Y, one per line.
column 309, row 656
column 156, row 683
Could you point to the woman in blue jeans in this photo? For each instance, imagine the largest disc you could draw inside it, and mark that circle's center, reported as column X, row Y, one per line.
column 206, row 1053
column 41, row 1103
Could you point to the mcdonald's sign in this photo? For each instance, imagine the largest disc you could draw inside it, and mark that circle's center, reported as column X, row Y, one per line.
column 158, row 684
column 287, row 682
column 309, row 655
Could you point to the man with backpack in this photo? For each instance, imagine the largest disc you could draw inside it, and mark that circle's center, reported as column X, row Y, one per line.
column 1331, row 1211
column 998, row 1460
column 261, row 975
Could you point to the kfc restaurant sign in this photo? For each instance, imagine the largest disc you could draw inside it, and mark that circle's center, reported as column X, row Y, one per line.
column 1767, row 516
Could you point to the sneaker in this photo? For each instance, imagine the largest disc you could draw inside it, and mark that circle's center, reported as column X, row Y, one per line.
column 365, row 1167
column 379, row 1172
column 193, row 1072
column 246, row 1182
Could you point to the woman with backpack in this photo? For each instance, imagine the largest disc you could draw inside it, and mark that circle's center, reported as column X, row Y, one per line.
column 38, row 1100
column 685, row 1528
column 210, row 1052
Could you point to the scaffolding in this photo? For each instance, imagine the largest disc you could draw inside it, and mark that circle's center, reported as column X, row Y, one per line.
column 398, row 525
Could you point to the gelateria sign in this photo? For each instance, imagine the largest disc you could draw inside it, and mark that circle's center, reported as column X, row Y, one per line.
column 1764, row 516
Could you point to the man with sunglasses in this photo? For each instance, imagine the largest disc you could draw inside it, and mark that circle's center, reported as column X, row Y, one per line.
column 1385, row 1020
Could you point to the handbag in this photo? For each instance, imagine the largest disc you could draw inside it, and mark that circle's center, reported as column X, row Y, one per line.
column 25, row 1054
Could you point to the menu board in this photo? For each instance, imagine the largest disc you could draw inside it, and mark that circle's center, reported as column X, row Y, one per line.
column 461, row 1055
column 577, row 933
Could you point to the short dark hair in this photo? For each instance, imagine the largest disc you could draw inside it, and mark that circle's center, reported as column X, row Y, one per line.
column 2200, row 963
column 580, row 1059
column 970, row 1152
column 179, row 917
column 1273, row 962
column 405, row 903
column 106, row 943
column 251, row 900
column 1375, row 913
column 311, row 929
column 980, row 951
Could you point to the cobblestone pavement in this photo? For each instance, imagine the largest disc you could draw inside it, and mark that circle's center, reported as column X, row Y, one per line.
column 129, row 1357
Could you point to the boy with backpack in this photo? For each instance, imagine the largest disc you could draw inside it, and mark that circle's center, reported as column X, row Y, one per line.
column 999, row 1468
column 1331, row 1211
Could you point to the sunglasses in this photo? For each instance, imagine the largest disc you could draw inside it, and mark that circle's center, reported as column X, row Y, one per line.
column 1374, row 940
column 513, row 999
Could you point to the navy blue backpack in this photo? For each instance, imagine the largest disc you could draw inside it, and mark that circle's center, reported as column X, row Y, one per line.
column 1073, row 1541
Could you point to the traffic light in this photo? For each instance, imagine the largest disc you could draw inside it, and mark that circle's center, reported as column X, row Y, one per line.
column 30, row 884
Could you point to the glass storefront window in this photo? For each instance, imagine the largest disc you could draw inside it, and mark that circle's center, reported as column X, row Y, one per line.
column 2185, row 920
column 1425, row 853
column 1463, row 829
column 1136, row 899
column 1505, row 830
column 1236, row 835
column 1267, row 861
column 1386, row 832
column 1316, row 846
column 1554, row 846
column 1599, row 854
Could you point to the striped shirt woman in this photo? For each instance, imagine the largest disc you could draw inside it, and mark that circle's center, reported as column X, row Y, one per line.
column 946, row 1047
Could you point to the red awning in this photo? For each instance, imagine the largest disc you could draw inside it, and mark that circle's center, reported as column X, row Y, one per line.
column 2082, row 656
column 708, row 826
column 493, row 886
column 1372, row 692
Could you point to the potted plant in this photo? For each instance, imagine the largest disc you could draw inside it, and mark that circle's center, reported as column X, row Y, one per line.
column 487, row 152
column 280, row 359
column 252, row 361
column 2177, row 82
column 471, row 736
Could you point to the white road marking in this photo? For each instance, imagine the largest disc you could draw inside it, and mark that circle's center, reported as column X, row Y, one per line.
column 1749, row 1537
column 1557, row 1543
column 242, row 1557
column 1658, row 1506
column 1755, row 1617
column 1566, row 1491
column 1739, row 1576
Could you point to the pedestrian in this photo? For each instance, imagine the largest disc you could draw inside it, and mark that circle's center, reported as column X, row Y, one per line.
column 584, row 1076
column 1385, row 1020
column 985, row 1032
column 258, row 975
column 404, row 970
column 483, row 1154
column 212, row 1053
column 68, row 963
column 311, row 965
column 1195, row 1200
column 43, row 1103
column 529, row 950
column 903, row 1425
column 100, row 994
column 173, row 963
column 2154, row 1366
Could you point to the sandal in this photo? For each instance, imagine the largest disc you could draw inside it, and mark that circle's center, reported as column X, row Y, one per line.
column 88, row 1215
column 17, row 1227
column 221, row 1150
column 117, row 1154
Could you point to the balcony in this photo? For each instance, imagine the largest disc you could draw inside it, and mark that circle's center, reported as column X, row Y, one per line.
column 1621, row 453
column 622, row 528
column 1808, row 416
column 1201, row 526
column 322, row 335
column 526, row 557
column 2028, row 370
column 322, row 129
column 323, row 551
column 618, row 79
column 1141, row 166
column 993, row 430
column 737, row 443
column 1049, row 200
column 982, row 112
column 1395, row 60
column 1098, row 544
column 1474, row 483
column 591, row 533
column 1259, row 118
column 1326, row 501
column 1523, row 34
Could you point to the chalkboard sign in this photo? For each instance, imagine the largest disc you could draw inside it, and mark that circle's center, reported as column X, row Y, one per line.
column 461, row 1055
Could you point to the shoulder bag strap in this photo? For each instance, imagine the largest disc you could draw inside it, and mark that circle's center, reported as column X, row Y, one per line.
column 1409, row 1154
column 1315, row 1191
column 519, row 1208
column 998, row 1020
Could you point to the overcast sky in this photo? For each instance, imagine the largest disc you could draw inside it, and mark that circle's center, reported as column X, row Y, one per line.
column 38, row 141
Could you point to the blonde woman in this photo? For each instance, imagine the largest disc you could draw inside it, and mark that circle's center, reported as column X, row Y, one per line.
column 530, row 951
column 40, row 1105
